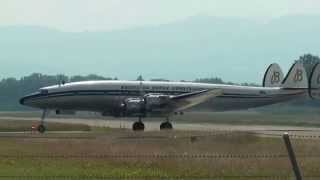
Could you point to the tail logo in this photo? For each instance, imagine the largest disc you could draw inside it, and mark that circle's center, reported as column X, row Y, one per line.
column 275, row 78
column 298, row 77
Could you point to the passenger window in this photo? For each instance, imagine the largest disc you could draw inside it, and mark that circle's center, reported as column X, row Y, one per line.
column 263, row 92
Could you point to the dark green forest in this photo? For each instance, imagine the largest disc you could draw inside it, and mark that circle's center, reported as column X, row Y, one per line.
column 12, row 89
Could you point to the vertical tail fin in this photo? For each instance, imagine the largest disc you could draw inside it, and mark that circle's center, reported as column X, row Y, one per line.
column 296, row 78
column 314, row 82
column 273, row 77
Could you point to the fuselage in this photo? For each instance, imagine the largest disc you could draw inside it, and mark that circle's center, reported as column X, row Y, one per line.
column 106, row 96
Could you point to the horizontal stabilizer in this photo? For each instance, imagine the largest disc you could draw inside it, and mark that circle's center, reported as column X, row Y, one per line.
column 273, row 76
column 314, row 82
column 296, row 78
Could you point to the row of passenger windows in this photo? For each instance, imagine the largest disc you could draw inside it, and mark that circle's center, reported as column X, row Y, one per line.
column 44, row 91
column 161, row 88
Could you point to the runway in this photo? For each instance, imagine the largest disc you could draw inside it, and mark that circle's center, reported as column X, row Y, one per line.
column 184, row 126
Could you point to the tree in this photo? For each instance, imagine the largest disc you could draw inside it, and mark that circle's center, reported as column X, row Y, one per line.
column 90, row 77
column 308, row 61
column 210, row 80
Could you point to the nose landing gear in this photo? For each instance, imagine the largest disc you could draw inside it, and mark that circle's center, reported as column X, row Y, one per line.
column 42, row 128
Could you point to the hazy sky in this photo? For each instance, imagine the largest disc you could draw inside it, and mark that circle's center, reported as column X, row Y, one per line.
column 100, row 15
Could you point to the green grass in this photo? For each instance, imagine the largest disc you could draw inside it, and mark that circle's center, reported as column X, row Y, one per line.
column 60, row 167
column 89, row 160
column 107, row 141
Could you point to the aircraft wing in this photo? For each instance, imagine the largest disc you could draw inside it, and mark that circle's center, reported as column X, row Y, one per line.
column 188, row 100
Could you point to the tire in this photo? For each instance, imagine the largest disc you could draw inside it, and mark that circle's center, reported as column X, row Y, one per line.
column 41, row 129
column 166, row 126
column 138, row 126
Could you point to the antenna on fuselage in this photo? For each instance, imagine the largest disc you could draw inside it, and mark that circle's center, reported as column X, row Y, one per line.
column 141, row 92
column 61, row 80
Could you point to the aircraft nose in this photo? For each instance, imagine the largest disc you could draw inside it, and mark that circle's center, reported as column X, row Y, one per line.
column 22, row 100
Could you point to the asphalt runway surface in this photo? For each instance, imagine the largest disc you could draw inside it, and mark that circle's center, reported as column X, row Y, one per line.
column 265, row 130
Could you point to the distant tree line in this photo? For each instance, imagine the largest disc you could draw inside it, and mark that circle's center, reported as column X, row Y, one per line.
column 12, row 89
column 308, row 61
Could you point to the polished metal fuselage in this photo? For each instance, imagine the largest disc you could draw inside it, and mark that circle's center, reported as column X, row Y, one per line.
column 107, row 96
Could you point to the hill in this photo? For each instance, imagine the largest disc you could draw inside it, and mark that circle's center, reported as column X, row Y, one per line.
column 237, row 50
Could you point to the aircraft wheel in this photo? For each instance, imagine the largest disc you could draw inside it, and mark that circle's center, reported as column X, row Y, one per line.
column 41, row 129
column 166, row 126
column 138, row 126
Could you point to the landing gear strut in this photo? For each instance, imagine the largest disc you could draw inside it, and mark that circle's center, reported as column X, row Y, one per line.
column 42, row 128
column 138, row 126
column 166, row 125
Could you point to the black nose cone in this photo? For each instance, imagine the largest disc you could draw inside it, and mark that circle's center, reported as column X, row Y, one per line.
column 22, row 101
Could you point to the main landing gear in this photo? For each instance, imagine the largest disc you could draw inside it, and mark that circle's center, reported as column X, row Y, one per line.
column 41, row 127
column 138, row 126
column 166, row 125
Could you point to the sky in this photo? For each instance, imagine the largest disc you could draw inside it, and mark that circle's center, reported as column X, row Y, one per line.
column 112, row 15
column 109, row 15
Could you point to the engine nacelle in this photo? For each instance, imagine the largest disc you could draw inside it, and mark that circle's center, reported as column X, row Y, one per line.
column 132, row 106
column 141, row 106
column 155, row 101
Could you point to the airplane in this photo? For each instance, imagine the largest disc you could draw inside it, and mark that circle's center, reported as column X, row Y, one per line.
column 164, row 99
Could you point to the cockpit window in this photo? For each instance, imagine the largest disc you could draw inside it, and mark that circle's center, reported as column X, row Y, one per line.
column 43, row 91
